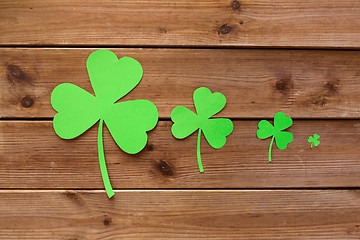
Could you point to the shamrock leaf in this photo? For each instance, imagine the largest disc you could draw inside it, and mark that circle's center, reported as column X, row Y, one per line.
column 266, row 130
column 314, row 140
column 128, row 122
column 187, row 122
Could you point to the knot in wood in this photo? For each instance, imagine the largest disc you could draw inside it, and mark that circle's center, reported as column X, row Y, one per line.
column 225, row 29
column 27, row 102
column 235, row 5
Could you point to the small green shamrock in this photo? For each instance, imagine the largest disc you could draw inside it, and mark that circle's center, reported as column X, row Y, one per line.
column 187, row 122
column 128, row 122
column 314, row 140
column 281, row 122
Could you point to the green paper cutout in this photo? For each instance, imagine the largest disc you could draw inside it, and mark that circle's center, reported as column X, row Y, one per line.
column 128, row 122
column 282, row 139
column 314, row 140
column 102, row 162
column 187, row 122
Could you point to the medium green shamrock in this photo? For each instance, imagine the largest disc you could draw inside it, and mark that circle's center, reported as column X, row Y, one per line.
column 314, row 140
column 187, row 122
column 281, row 122
column 78, row 110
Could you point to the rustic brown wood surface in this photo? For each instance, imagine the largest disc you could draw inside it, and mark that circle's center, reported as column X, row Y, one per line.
column 34, row 157
column 256, row 83
column 52, row 188
column 206, row 214
column 277, row 23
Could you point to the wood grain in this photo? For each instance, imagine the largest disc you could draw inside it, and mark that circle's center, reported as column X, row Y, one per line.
column 261, row 23
column 256, row 83
column 52, row 188
column 33, row 156
column 211, row 214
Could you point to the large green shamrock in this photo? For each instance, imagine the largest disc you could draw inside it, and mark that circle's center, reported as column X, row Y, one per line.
column 281, row 122
column 187, row 122
column 78, row 110
column 314, row 140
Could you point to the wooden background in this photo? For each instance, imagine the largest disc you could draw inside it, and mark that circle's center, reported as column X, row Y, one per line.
column 296, row 56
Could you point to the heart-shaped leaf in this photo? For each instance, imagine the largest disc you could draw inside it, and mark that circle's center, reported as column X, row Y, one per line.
column 112, row 78
column 77, row 110
column 128, row 123
column 216, row 130
column 282, row 139
column 281, row 121
column 265, row 129
column 185, row 122
column 208, row 104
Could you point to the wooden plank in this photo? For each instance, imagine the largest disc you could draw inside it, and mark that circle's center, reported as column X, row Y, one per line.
column 279, row 23
column 32, row 156
column 256, row 83
column 206, row 214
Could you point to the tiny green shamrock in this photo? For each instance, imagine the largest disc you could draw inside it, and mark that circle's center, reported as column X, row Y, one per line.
column 187, row 122
column 128, row 122
column 314, row 140
column 282, row 138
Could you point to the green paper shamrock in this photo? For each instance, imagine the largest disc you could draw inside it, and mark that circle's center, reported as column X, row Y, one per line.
column 282, row 139
column 314, row 140
column 187, row 122
column 128, row 122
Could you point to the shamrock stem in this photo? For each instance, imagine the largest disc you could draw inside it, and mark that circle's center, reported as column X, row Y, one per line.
column 103, row 169
column 272, row 141
column 198, row 152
